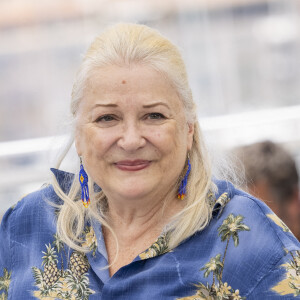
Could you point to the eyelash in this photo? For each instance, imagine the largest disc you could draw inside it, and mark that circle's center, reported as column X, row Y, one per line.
column 156, row 114
column 104, row 118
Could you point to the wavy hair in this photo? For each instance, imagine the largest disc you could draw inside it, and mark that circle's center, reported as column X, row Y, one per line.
column 124, row 45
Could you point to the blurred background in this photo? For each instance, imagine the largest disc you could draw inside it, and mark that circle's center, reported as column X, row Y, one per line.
column 242, row 57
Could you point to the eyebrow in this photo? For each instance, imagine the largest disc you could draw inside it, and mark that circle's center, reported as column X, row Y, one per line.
column 144, row 106
column 105, row 105
column 156, row 104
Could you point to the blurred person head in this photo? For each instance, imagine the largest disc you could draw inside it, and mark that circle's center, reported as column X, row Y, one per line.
column 271, row 175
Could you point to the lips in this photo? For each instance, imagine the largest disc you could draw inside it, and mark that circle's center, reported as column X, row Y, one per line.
column 132, row 165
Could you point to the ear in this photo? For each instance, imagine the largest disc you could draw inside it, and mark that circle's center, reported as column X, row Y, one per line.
column 190, row 137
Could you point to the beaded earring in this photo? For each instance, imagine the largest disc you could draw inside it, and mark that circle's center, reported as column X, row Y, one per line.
column 83, row 180
column 182, row 188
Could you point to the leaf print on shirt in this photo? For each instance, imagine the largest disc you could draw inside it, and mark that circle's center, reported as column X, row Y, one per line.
column 70, row 283
column 278, row 222
column 229, row 229
column 158, row 248
column 90, row 240
column 291, row 283
column 214, row 265
column 4, row 284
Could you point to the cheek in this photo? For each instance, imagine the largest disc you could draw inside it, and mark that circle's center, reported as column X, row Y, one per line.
column 171, row 145
column 96, row 141
column 164, row 139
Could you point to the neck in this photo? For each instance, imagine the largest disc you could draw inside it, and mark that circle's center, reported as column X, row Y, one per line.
column 137, row 223
column 134, row 218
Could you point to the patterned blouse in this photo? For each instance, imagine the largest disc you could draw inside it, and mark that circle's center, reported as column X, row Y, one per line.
column 246, row 252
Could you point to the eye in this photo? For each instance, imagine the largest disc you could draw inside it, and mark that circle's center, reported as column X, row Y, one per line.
column 106, row 118
column 156, row 116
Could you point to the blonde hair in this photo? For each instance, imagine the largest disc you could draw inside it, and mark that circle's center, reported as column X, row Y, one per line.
column 124, row 45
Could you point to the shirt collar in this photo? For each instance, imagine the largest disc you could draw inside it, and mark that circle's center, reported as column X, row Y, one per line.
column 223, row 196
column 65, row 180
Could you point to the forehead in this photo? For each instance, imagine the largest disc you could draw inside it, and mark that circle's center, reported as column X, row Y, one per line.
column 138, row 82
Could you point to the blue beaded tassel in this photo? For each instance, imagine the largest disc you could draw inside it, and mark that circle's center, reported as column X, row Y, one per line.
column 182, row 189
column 83, row 180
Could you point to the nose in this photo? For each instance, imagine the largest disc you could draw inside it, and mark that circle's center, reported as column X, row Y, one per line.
column 131, row 138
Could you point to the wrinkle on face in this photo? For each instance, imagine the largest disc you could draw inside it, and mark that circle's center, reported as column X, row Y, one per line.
column 166, row 141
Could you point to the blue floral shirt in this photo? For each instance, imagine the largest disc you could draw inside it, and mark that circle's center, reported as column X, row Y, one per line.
column 246, row 252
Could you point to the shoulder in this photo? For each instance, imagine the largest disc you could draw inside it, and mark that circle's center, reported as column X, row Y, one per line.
column 31, row 221
column 245, row 251
column 31, row 210
column 41, row 202
column 265, row 226
column 35, row 211
column 33, row 218
column 262, row 221
column 24, row 225
column 259, row 243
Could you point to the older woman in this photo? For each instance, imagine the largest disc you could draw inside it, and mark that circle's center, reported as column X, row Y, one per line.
column 153, row 223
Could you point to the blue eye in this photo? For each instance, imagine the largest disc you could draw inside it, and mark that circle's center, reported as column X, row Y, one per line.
column 156, row 116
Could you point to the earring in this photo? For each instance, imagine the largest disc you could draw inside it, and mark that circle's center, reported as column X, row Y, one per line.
column 182, row 188
column 83, row 180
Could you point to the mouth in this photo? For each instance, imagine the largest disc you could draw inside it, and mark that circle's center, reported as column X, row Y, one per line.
column 132, row 165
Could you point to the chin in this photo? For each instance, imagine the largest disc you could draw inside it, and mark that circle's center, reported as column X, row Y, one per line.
column 134, row 190
column 133, row 193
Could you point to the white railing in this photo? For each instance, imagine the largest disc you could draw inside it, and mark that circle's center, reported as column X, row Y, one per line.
column 279, row 124
column 25, row 163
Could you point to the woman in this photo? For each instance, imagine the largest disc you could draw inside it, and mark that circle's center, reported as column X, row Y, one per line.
column 153, row 224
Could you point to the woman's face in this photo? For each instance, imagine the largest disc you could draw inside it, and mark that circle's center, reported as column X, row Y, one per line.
column 132, row 132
